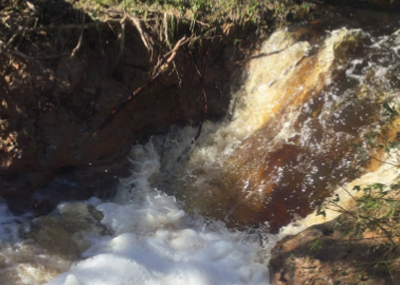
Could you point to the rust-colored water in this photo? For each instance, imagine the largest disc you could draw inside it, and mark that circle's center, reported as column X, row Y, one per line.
column 297, row 128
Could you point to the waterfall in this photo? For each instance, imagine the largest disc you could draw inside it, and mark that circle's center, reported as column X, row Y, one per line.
column 209, row 213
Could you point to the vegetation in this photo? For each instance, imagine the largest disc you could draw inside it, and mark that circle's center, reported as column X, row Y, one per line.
column 376, row 215
column 203, row 12
column 230, row 20
column 161, row 23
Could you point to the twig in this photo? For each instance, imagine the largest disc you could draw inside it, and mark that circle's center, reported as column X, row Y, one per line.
column 263, row 54
column 203, row 24
column 140, row 90
column 203, row 90
column 348, row 192
column 159, row 65
column 373, row 237
column 121, row 39
column 166, row 29
column 62, row 27
column 79, row 44
column 377, row 159
column 204, row 114
column 371, row 220
column 20, row 54
column 143, row 35
column 20, row 30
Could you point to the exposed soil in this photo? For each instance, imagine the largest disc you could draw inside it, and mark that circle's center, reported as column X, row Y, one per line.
column 62, row 77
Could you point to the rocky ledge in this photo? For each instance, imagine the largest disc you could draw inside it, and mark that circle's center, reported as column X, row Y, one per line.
column 322, row 255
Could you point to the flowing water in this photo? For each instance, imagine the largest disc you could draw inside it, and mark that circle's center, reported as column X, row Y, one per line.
column 208, row 213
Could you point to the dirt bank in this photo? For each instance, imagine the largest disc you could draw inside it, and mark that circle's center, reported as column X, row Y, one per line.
column 63, row 75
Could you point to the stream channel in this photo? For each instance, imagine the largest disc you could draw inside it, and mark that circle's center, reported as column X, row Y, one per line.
column 210, row 212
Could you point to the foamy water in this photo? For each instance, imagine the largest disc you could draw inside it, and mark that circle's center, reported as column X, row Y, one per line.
column 146, row 236
column 155, row 242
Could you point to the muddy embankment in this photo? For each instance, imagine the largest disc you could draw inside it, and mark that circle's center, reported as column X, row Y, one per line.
column 62, row 75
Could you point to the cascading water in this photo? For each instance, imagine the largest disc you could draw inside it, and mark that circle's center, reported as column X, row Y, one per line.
column 288, row 143
column 291, row 140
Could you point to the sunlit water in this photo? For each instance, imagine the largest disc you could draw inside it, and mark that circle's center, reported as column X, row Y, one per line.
column 286, row 144
column 295, row 133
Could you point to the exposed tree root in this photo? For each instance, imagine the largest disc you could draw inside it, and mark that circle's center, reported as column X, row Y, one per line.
column 203, row 91
column 163, row 67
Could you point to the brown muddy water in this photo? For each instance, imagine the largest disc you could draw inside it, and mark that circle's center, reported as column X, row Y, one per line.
column 295, row 133
column 298, row 128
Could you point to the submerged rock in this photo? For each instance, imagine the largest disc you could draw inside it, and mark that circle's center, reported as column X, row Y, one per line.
column 61, row 232
column 47, row 245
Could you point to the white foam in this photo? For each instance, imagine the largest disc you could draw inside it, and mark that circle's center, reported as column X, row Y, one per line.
column 151, row 240
column 154, row 242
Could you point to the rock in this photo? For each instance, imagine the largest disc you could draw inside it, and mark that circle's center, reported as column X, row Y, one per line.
column 318, row 255
column 49, row 244
column 62, row 231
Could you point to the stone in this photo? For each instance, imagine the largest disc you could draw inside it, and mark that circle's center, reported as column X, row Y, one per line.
column 319, row 255
column 61, row 232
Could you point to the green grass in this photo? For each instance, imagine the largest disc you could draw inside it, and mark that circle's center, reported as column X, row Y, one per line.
column 208, row 12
